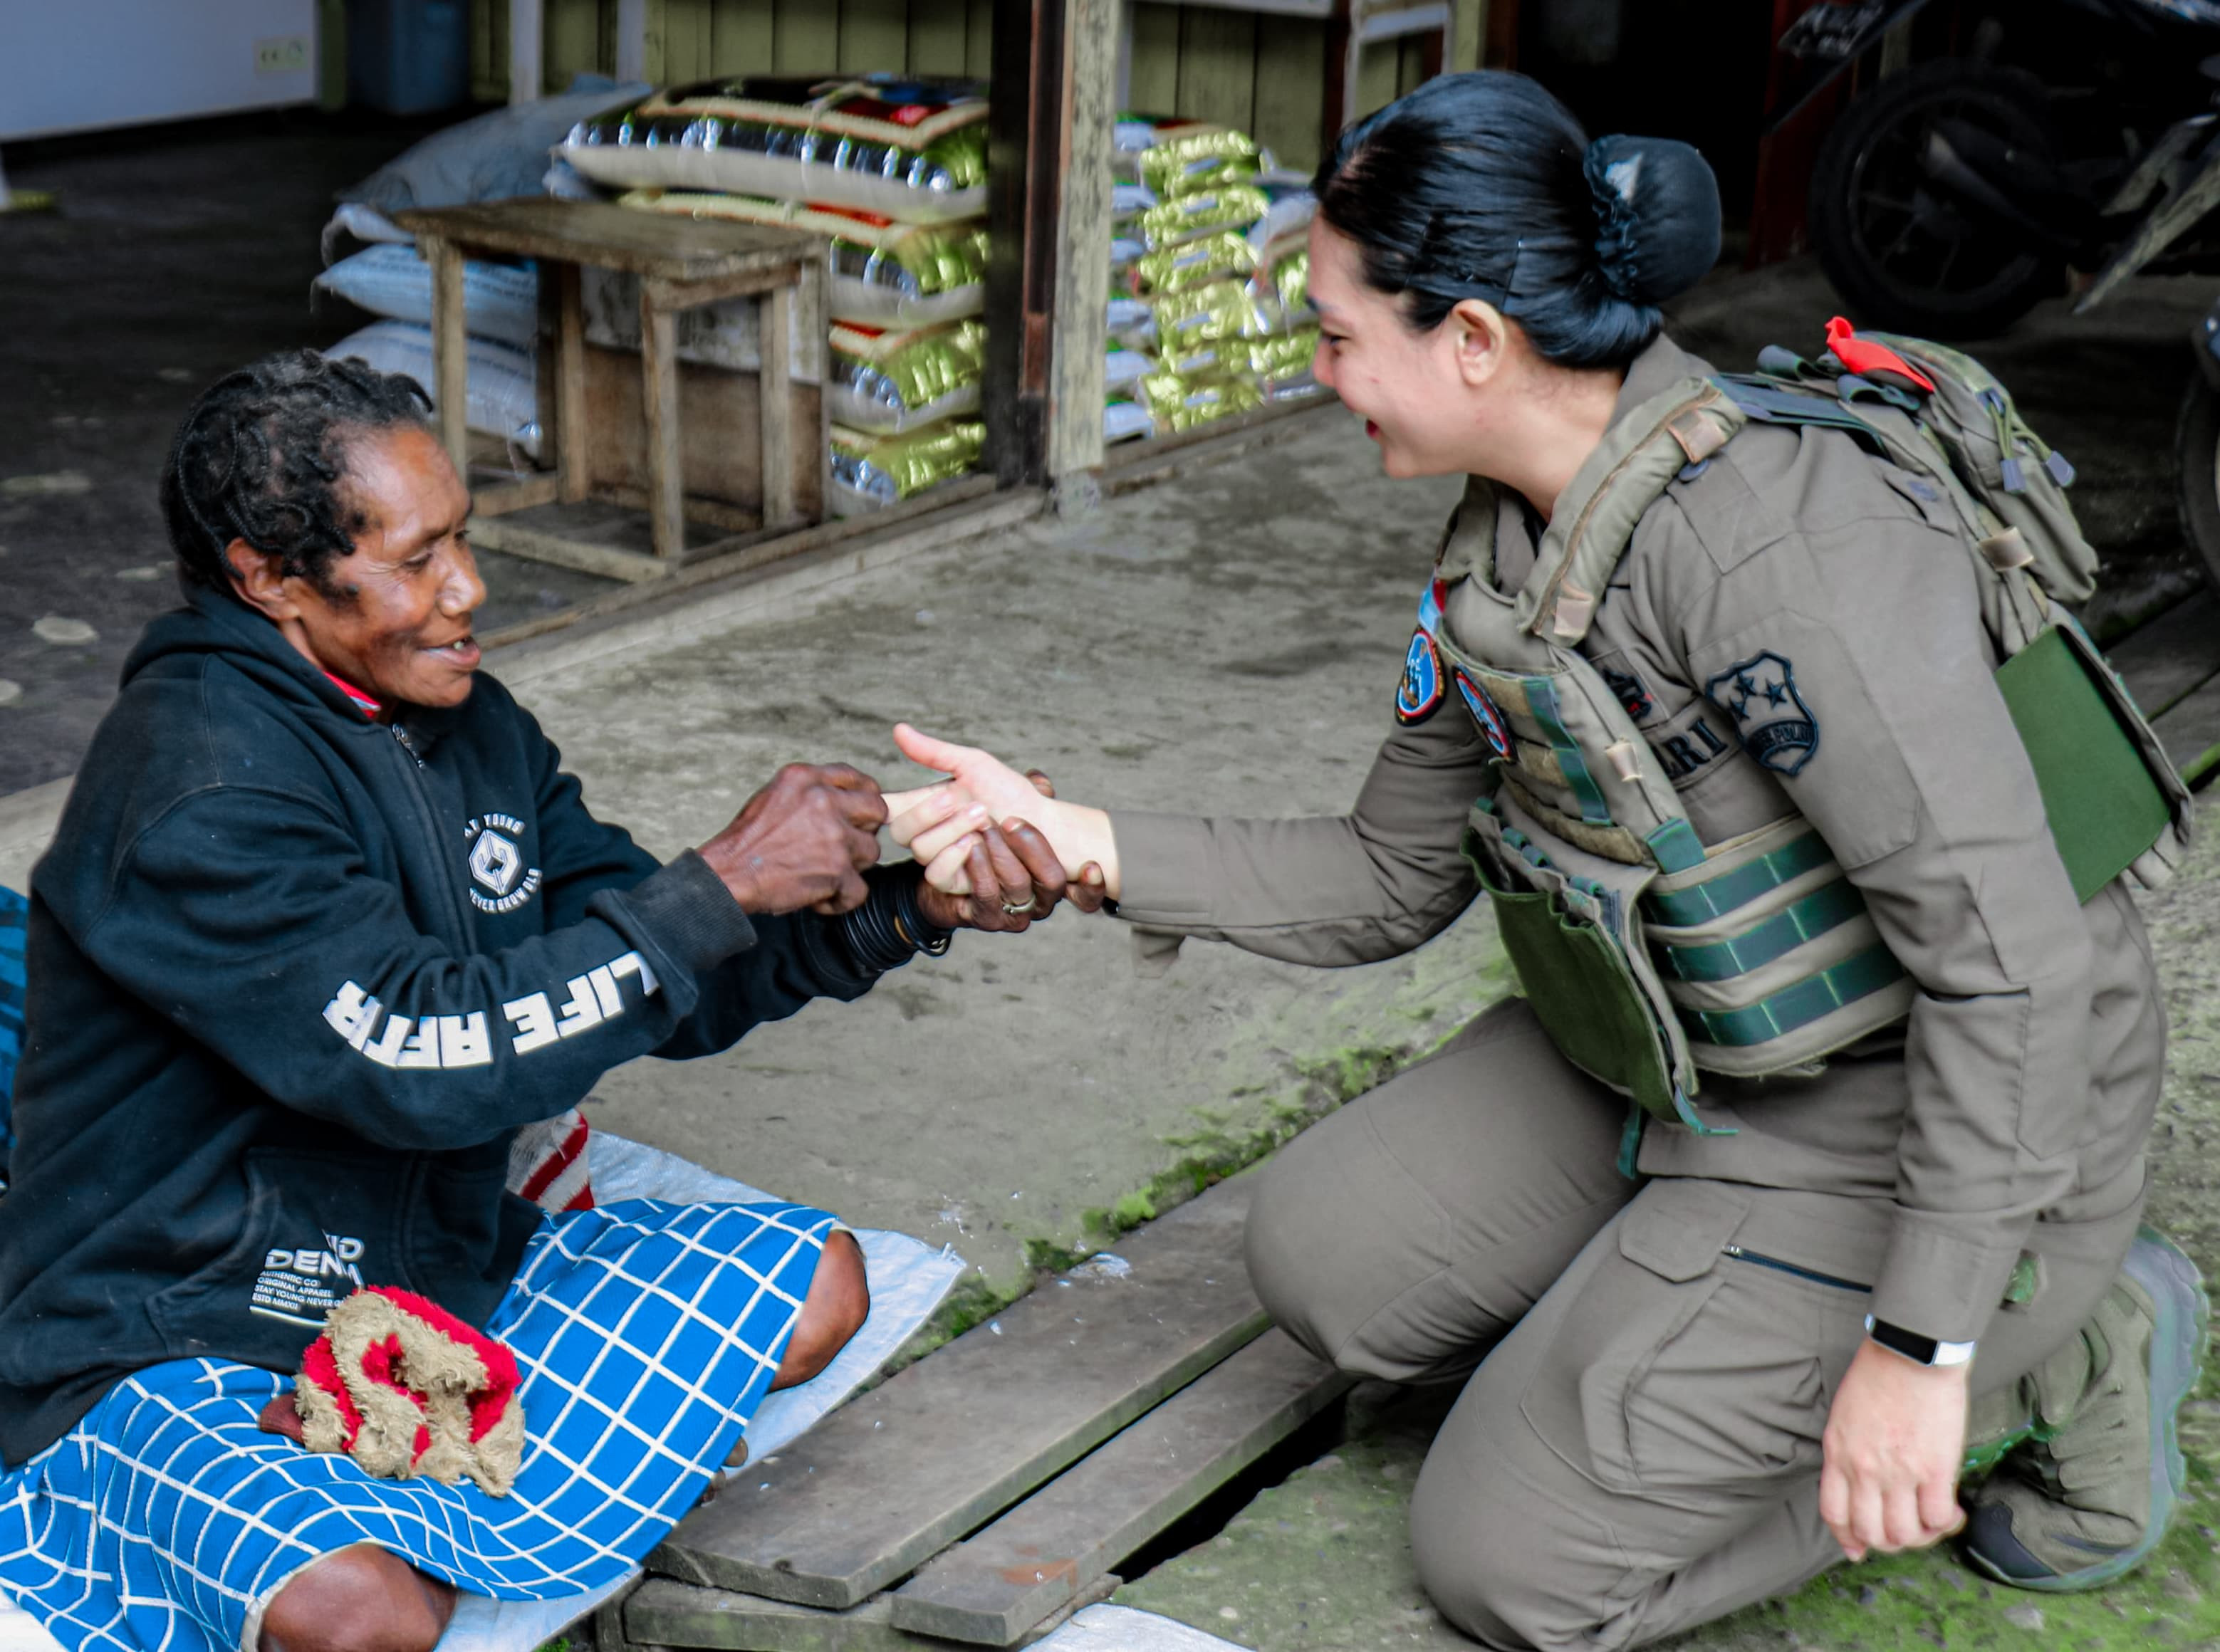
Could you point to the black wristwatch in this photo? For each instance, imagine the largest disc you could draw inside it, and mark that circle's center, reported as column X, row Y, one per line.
column 1920, row 1350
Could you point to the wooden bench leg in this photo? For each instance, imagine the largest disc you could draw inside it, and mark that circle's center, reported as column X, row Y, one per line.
column 572, row 466
column 774, row 406
column 450, row 357
column 666, row 476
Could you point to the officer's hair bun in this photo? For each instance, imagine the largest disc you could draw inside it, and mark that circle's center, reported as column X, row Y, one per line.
column 1657, row 215
column 1483, row 186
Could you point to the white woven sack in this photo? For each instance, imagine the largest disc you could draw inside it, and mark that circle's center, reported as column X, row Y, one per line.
column 499, row 300
column 503, row 385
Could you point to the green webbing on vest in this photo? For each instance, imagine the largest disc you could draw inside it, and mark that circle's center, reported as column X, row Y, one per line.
column 1676, row 846
column 2104, row 806
column 1723, row 894
column 1802, row 1004
column 1825, row 908
column 1541, row 701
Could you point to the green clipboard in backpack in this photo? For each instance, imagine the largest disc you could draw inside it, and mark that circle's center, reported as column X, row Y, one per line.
column 2113, row 799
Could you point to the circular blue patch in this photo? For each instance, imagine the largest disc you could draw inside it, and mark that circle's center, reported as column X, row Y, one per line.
column 1492, row 728
column 1419, row 694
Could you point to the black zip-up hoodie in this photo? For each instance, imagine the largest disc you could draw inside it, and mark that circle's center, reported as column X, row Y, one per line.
column 295, row 980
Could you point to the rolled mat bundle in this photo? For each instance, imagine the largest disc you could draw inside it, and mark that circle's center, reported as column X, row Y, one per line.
column 405, row 1388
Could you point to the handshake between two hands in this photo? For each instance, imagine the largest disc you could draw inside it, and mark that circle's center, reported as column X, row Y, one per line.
column 999, row 849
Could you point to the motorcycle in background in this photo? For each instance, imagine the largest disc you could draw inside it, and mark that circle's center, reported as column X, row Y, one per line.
column 1953, row 197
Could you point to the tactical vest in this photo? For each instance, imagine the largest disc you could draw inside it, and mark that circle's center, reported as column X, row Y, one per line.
column 1650, row 956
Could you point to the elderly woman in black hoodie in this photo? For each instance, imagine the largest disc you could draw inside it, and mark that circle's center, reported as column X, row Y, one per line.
column 324, row 924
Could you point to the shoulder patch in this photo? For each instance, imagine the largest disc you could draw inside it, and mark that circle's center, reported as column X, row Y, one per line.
column 1776, row 726
column 1492, row 728
column 1420, row 694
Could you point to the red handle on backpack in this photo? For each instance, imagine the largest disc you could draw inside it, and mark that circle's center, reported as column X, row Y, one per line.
column 1860, row 356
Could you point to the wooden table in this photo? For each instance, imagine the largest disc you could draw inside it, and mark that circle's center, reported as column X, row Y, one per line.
column 680, row 263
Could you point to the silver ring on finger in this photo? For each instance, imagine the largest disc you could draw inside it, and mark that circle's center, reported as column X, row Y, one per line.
column 1018, row 908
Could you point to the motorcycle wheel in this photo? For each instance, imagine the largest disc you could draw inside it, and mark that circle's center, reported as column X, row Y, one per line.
column 2197, row 471
column 1903, row 254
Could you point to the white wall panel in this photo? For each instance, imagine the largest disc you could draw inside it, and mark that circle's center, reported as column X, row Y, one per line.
column 71, row 65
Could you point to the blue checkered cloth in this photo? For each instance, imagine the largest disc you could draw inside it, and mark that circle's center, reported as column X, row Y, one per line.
column 646, row 1333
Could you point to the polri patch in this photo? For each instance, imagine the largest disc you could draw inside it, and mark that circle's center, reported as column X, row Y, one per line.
column 1776, row 726
column 1420, row 694
column 1492, row 728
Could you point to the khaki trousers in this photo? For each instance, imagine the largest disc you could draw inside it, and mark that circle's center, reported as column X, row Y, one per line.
column 1639, row 1453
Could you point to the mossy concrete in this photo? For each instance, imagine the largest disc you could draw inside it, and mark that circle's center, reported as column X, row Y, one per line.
column 1322, row 1563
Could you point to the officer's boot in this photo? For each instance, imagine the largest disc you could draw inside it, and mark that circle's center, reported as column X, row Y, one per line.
column 2094, row 1467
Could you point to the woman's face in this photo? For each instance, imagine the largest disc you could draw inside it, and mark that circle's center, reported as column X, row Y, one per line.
column 393, row 616
column 1410, row 389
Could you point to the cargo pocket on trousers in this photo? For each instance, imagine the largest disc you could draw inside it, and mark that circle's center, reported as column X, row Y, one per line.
column 1658, row 1376
column 1736, row 1395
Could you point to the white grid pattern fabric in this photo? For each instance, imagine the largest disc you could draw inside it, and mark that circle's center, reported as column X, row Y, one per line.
column 647, row 1334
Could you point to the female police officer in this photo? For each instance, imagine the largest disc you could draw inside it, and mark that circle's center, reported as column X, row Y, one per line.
column 1771, row 857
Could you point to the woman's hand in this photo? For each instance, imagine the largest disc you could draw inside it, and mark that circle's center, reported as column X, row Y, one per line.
column 943, row 824
column 1895, row 1437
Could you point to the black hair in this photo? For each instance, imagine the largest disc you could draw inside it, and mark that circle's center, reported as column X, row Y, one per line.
column 1483, row 186
column 261, row 457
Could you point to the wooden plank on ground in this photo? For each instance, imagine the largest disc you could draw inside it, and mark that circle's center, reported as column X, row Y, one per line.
column 895, row 1476
column 1000, row 1583
column 2162, row 662
column 661, row 1613
column 666, row 1613
column 2192, row 730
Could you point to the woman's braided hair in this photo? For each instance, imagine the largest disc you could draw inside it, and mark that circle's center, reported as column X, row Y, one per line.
column 261, row 458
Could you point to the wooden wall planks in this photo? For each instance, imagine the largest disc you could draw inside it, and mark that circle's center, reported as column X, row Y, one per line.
column 692, row 39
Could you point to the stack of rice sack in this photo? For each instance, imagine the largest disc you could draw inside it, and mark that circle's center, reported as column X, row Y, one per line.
column 893, row 171
column 500, row 309
column 1208, row 308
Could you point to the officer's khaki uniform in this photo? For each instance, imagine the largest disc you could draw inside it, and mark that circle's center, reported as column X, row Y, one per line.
column 1642, row 1453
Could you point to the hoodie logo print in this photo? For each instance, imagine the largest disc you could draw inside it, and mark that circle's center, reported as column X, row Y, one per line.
column 503, row 883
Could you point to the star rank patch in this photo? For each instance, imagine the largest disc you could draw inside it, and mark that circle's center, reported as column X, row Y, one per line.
column 1420, row 694
column 1776, row 726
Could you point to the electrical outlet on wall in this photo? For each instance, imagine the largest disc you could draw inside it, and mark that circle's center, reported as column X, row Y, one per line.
column 284, row 55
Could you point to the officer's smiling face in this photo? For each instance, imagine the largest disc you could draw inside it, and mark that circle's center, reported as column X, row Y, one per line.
column 1409, row 386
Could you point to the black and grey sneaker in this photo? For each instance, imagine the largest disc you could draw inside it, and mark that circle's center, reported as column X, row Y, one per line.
column 2088, row 1496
